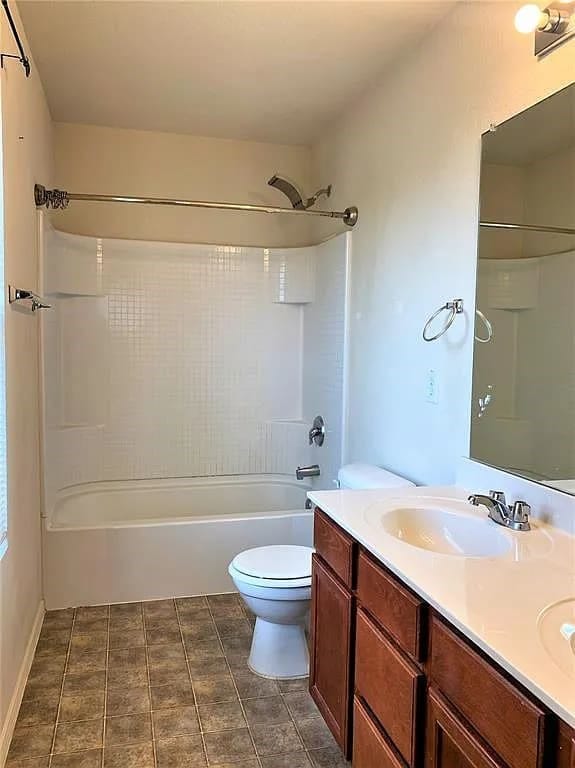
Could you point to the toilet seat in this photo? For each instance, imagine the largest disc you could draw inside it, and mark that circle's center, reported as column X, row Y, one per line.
column 274, row 567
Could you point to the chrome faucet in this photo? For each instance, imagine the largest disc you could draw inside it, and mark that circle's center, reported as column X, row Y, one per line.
column 302, row 473
column 515, row 517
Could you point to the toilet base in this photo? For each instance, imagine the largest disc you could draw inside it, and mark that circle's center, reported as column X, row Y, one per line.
column 279, row 650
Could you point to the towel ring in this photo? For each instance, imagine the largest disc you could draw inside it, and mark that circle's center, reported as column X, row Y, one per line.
column 454, row 307
column 488, row 328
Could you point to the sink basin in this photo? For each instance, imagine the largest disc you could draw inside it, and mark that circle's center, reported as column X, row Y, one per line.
column 441, row 530
column 555, row 624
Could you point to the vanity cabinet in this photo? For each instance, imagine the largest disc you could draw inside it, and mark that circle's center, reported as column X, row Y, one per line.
column 401, row 613
column 566, row 747
column 331, row 628
column 450, row 744
column 370, row 747
column 390, row 685
column 482, row 693
column 399, row 687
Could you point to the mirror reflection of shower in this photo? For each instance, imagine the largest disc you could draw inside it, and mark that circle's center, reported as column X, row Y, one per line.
column 523, row 407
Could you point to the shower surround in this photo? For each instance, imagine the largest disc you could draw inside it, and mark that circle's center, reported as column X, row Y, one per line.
column 165, row 360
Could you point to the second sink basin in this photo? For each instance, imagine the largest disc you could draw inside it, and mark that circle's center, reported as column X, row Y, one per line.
column 555, row 625
column 441, row 530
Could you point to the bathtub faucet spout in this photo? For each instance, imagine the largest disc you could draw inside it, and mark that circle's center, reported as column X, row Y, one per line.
column 302, row 473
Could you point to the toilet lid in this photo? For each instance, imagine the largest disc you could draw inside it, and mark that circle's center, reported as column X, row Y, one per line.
column 282, row 561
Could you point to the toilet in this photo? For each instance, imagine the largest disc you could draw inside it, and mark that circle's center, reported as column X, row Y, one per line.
column 275, row 584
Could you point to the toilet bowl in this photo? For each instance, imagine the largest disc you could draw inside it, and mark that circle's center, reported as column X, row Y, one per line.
column 275, row 584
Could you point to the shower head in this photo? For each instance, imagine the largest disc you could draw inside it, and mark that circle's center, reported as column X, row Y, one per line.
column 290, row 191
column 294, row 195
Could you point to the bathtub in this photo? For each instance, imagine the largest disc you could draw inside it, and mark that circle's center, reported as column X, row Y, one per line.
column 125, row 541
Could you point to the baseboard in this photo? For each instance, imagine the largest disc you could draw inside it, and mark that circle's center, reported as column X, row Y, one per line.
column 16, row 700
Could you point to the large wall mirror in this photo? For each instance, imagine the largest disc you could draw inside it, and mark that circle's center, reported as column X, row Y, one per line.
column 523, row 408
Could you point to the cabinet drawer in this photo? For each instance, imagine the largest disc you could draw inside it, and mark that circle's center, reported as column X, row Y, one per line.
column 334, row 546
column 508, row 721
column 450, row 742
column 390, row 685
column 398, row 610
column 370, row 749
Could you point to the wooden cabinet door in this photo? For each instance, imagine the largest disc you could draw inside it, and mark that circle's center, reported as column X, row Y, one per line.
column 482, row 693
column 391, row 686
column 331, row 623
column 449, row 742
column 370, row 749
column 566, row 747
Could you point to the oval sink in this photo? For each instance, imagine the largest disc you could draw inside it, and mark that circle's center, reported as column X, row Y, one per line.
column 442, row 531
column 556, row 627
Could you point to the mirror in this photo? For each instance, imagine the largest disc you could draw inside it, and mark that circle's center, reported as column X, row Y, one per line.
column 523, row 396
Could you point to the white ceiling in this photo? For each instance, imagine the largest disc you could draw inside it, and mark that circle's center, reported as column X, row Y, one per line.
column 274, row 70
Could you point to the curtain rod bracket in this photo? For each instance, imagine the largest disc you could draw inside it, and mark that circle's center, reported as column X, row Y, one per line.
column 22, row 58
column 50, row 198
column 351, row 216
column 24, row 61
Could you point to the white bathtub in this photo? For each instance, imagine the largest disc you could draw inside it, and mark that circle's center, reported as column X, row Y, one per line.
column 141, row 540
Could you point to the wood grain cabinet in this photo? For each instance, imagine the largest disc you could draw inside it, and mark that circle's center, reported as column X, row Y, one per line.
column 399, row 687
column 482, row 694
column 331, row 643
column 370, row 747
column 391, row 685
column 450, row 744
column 566, row 747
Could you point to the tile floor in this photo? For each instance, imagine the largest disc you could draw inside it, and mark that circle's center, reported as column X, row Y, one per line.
column 163, row 684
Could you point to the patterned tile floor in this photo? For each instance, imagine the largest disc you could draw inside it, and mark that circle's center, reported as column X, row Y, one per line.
column 163, row 684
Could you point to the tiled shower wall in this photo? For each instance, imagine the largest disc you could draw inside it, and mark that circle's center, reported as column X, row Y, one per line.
column 324, row 351
column 168, row 360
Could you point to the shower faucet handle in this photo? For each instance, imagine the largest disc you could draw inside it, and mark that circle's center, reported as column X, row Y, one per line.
column 317, row 432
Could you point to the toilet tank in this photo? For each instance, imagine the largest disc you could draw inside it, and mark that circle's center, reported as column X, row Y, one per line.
column 368, row 476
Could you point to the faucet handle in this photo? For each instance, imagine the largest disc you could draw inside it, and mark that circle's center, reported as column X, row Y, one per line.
column 317, row 432
column 498, row 496
column 520, row 515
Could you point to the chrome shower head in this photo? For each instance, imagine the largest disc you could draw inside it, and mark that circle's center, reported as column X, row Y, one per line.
column 290, row 191
column 294, row 195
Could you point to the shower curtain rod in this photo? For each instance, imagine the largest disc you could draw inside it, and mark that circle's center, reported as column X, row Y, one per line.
column 527, row 227
column 22, row 58
column 58, row 198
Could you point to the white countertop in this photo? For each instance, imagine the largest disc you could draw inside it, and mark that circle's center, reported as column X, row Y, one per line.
column 495, row 601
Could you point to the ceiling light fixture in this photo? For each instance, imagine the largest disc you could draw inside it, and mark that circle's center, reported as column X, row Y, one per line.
column 552, row 26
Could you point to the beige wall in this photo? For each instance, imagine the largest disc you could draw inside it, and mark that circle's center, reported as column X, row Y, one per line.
column 27, row 152
column 502, row 199
column 408, row 155
column 145, row 163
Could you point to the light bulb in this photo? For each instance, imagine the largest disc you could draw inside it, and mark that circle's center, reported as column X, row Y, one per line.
column 528, row 18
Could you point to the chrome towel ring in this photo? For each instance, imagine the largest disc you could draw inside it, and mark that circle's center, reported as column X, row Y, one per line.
column 454, row 307
column 488, row 328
